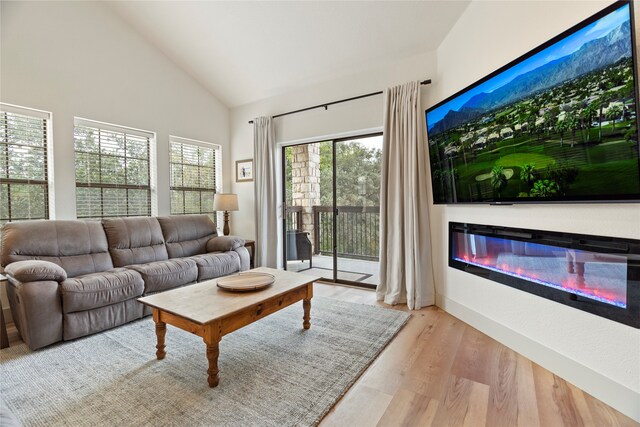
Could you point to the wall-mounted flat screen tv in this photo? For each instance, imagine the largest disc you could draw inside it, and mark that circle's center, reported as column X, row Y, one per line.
column 558, row 124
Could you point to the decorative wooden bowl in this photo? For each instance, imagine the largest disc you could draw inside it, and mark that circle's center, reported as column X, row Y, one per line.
column 246, row 282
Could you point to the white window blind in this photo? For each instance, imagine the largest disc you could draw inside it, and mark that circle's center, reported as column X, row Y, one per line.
column 113, row 170
column 195, row 176
column 24, row 174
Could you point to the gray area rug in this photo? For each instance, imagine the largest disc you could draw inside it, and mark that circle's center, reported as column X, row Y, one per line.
column 272, row 373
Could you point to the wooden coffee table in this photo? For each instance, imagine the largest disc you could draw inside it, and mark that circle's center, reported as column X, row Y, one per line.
column 210, row 312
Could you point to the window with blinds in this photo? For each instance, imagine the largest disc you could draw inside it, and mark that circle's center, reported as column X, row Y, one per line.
column 195, row 169
column 113, row 170
column 24, row 175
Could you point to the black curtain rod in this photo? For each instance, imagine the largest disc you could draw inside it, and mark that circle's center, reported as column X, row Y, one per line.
column 326, row 104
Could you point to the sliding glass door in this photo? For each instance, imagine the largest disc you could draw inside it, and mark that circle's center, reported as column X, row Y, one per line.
column 357, row 189
column 332, row 210
column 308, row 177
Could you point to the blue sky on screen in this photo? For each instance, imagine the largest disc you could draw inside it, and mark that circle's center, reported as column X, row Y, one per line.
column 558, row 50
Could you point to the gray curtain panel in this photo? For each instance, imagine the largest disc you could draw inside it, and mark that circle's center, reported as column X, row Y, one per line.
column 406, row 273
column 265, row 192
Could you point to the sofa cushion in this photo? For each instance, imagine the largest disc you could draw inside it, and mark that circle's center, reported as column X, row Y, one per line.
column 216, row 264
column 224, row 243
column 80, row 247
column 187, row 235
column 33, row 271
column 162, row 275
column 134, row 240
column 100, row 289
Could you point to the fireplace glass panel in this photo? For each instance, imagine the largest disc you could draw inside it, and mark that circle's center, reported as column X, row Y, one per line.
column 594, row 275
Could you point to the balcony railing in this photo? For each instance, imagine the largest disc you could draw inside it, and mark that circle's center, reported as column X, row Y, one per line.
column 357, row 231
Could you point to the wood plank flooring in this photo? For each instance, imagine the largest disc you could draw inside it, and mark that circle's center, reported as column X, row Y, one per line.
column 439, row 371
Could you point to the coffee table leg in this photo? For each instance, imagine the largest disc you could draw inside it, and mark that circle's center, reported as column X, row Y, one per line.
column 161, row 330
column 212, row 340
column 306, row 304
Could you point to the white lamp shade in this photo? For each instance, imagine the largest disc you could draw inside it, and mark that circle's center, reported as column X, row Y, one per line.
column 225, row 202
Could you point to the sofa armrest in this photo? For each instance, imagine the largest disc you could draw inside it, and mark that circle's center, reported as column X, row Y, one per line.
column 35, row 271
column 224, row 243
column 244, row 258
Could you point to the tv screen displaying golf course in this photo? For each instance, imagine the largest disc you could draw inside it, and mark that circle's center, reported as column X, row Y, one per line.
column 558, row 124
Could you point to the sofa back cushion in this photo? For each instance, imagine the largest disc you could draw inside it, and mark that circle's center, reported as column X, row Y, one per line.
column 134, row 240
column 187, row 235
column 80, row 247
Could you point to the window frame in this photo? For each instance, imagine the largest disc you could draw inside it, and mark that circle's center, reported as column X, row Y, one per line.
column 151, row 167
column 217, row 175
column 47, row 182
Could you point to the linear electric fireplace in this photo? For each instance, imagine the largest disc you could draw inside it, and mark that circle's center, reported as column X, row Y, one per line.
column 597, row 274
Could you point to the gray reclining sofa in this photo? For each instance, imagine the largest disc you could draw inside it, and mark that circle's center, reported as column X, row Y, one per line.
column 68, row 279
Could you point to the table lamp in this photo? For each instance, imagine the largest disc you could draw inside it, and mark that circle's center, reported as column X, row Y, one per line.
column 225, row 202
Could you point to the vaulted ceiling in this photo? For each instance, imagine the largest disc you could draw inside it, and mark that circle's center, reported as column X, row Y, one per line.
column 246, row 51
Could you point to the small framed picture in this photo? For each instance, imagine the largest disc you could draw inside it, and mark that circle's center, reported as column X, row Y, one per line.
column 244, row 170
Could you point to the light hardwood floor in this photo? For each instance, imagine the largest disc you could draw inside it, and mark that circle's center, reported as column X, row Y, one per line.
column 439, row 371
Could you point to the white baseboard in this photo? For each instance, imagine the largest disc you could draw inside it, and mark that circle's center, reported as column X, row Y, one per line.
column 601, row 387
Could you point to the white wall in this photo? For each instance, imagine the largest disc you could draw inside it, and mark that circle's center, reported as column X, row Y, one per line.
column 361, row 115
column 79, row 59
column 599, row 356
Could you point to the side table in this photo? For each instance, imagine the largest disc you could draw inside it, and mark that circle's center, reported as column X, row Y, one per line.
column 251, row 246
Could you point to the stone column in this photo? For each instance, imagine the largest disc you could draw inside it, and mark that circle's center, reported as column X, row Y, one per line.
column 305, row 175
